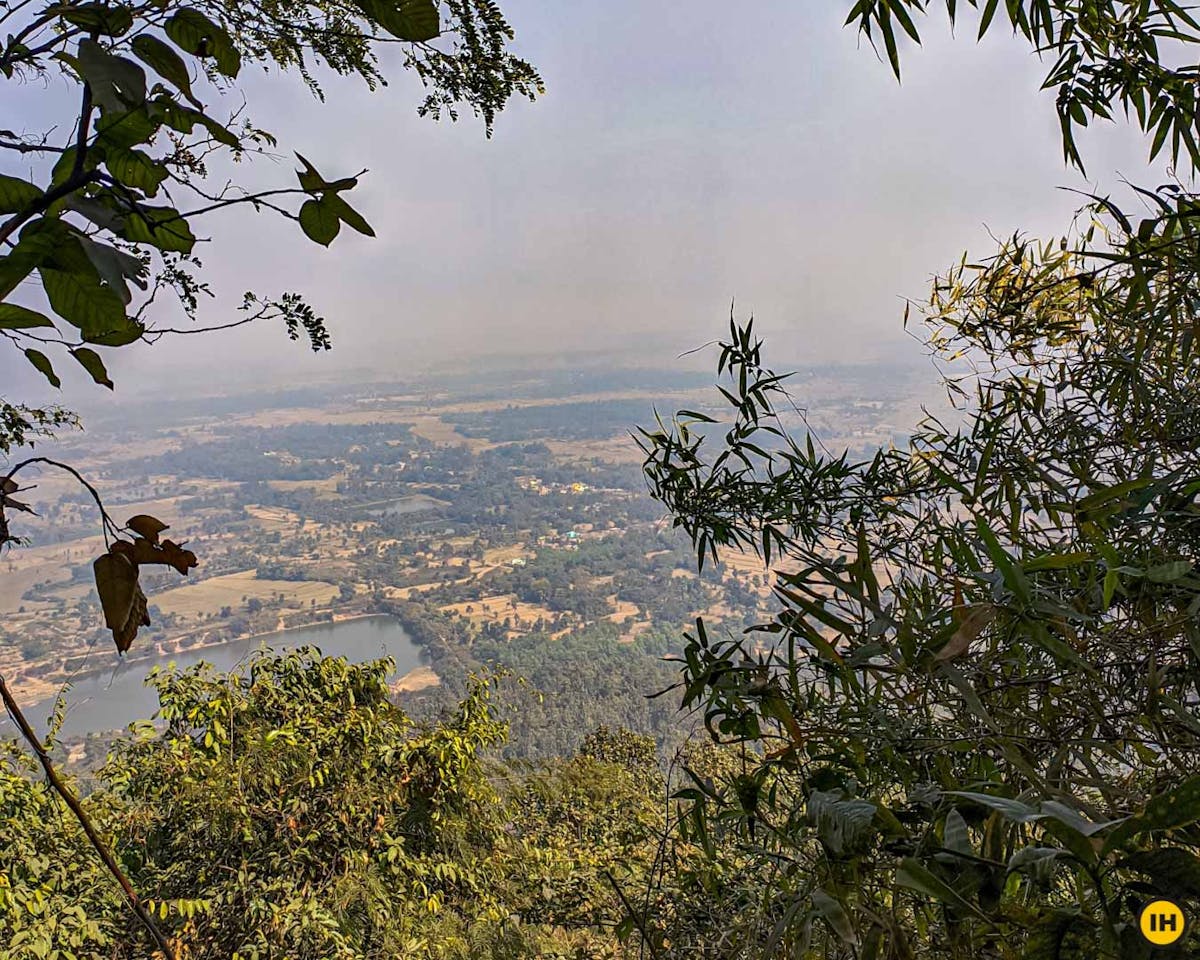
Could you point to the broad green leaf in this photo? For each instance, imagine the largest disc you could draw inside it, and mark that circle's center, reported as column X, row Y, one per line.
column 13, row 317
column 42, row 363
column 1172, row 869
column 90, row 361
column 126, row 129
column 1033, row 859
column 117, row 84
column 955, row 836
column 1010, row 809
column 16, row 194
column 135, row 169
column 835, row 916
column 182, row 118
column 108, row 21
column 347, row 214
column 82, row 301
column 1177, row 807
column 319, row 221
column 98, row 213
column 39, row 241
column 1073, row 819
column 115, row 267
column 1169, row 572
column 160, row 227
column 413, row 20
column 194, row 33
column 915, row 876
column 166, row 63
column 119, row 337
column 313, row 182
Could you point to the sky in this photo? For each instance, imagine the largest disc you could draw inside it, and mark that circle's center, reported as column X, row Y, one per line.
column 684, row 157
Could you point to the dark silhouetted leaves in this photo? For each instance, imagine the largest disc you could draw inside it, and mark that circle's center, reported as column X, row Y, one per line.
column 146, row 526
column 121, row 597
column 42, row 363
column 91, row 362
column 194, row 33
column 319, row 221
column 166, row 63
column 13, row 317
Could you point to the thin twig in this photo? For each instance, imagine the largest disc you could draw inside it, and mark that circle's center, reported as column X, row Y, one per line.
column 633, row 914
column 84, row 820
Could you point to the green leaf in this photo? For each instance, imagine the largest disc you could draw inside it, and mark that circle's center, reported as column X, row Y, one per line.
column 414, row 20
column 119, row 337
column 98, row 17
column 13, row 317
column 835, row 916
column 1056, row 561
column 1172, row 869
column 82, row 301
column 38, row 242
column 1115, row 492
column 313, row 182
column 916, row 877
column 1073, row 819
column 347, row 214
column 117, row 84
column 1010, row 809
column 115, row 267
column 124, row 130
column 1033, row 859
column 42, row 363
column 1169, row 572
column 101, row 214
column 166, row 63
column 16, row 194
column 955, row 836
column 1178, row 807
column 194, row 33
column 184, row 119
column 90, row 361
column 160, row 227
column 135, row 169
column 319, row 222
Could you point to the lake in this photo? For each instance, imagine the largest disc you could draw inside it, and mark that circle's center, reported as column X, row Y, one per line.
column 112, row 698
column 417, row 503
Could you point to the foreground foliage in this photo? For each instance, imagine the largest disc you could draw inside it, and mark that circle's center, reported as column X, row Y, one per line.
column 973, row 719
column 296, row 812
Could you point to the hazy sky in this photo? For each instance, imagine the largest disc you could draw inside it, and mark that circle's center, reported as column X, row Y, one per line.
column 684, row 155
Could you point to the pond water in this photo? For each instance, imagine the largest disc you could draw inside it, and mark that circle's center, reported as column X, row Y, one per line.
column 112, row 698
column 393, row 508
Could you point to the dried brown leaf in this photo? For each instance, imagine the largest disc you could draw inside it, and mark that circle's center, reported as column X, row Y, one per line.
column 971, row 626
column 117, row 585
column 147, row 526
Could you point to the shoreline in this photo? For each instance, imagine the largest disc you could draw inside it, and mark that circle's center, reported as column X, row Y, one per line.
column 43, row 692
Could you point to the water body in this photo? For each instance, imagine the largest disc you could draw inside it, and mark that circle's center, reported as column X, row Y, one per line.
column 113, row 698
column 393, row 508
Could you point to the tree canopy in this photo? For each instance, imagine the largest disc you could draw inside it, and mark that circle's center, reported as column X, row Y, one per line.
column 970, row 728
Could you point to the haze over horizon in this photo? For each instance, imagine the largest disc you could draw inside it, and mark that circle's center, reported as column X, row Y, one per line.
column 672, row 167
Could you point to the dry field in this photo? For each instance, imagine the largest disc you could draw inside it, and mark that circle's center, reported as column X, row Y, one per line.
column 327, row 488
column 20, row 569
column 209, row 596
column 498, row 607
